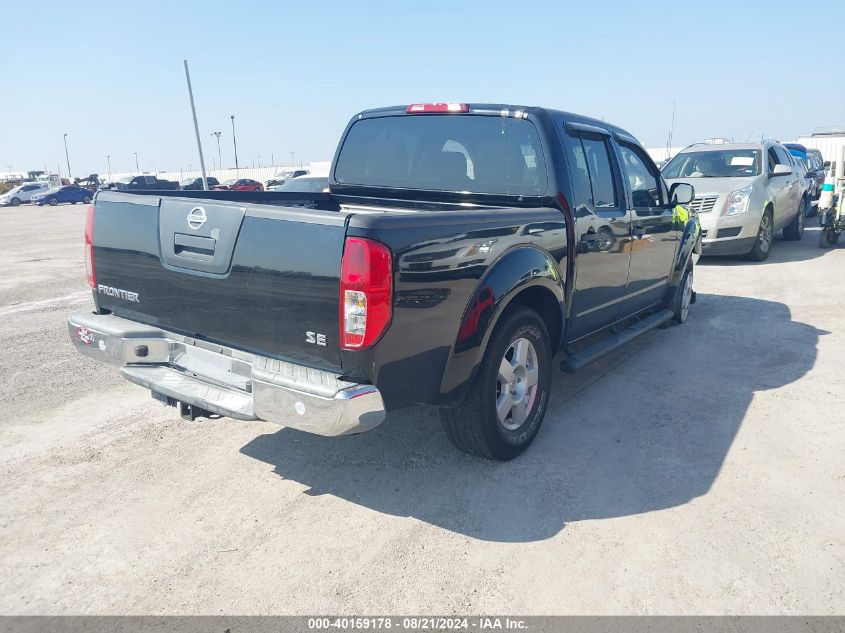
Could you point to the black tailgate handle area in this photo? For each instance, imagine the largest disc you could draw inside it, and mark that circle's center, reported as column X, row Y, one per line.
column 198, row 235
column 194, row 247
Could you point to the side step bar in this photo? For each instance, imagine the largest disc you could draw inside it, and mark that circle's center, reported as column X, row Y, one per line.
column 580, row 359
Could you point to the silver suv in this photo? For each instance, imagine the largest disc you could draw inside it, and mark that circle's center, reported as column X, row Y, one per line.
column 745, row 192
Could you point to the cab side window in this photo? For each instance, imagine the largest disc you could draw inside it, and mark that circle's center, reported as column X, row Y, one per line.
column 772, row 159
column 602, row 183
column 643, row 180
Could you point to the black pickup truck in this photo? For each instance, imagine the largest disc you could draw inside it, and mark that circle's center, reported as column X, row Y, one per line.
column 461, row 247
column 142, row 183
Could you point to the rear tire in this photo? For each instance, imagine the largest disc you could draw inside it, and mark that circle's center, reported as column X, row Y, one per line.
column 795, row 230
column 15, row 202
column 763, row 244
column 505, row 405
column 86, row 199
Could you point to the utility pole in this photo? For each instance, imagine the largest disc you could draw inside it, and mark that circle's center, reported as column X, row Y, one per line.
column 234, row 141
column 67, row 157
column 219, row 159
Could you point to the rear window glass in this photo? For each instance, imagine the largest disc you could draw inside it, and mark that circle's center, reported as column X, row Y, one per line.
column 478, row 154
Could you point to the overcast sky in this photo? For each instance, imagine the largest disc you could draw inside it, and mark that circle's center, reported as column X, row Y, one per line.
column 294, row 73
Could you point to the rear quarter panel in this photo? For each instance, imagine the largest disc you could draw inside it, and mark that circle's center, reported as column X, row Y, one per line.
column 454, row 272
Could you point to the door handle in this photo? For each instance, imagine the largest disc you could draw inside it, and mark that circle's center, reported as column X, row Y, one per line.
column 637, row 231
column 590, row 236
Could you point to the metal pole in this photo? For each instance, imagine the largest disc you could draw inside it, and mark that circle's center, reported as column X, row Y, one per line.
column 137, row 169
column 196, row 125
column 234, row 141
column 291, row 159
column 219, row 158
column 67, row 157
column 108, row 158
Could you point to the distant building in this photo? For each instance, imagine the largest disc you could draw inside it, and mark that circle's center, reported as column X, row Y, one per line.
column 828, row 140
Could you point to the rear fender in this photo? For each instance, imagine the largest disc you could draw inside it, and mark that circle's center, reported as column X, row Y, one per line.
column 517, row 270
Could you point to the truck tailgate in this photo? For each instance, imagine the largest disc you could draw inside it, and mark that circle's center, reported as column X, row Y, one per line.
column 253, row 277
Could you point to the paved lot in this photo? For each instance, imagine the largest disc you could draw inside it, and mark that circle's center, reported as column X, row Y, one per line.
column 699, row 471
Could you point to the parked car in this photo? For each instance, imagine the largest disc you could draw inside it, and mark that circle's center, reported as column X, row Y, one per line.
column 745, row 192
column 240, row 184
column 22, row 193
column 140, row 183
column 306, row 184
column 68, row 193
column 193, row 184
column 813, row 163
column 816, row 168
column 305, row 317
column 809, row 182
column 279, row 179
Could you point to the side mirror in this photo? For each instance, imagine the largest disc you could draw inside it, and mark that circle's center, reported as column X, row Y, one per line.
column 681, row 193
column 781, row 170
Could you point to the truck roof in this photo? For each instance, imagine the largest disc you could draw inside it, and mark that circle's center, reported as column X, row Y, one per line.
column 502, row 109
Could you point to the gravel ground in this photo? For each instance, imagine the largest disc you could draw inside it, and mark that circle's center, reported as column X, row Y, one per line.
column 699, row 470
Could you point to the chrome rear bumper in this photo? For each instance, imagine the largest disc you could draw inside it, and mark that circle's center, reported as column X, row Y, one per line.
column 227, row 381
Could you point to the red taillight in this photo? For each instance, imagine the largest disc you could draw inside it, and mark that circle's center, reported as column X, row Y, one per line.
column 425, row 108
column 366, row 291
column 89, row 248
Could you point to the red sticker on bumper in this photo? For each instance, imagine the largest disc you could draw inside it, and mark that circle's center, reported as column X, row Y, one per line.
column 85, row 335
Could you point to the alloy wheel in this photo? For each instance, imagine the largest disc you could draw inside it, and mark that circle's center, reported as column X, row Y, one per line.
column 765, row 234
column 516, row 384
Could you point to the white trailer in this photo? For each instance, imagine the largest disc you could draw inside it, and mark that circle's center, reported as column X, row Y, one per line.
column 828, row 140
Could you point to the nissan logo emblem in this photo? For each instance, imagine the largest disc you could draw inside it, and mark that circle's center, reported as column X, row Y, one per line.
column 197, row 218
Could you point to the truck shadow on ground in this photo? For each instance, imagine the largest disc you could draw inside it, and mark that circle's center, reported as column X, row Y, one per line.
column 645, row 429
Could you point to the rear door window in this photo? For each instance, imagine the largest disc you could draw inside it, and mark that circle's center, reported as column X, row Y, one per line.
column 783, row 156
column 462, row 153
column 602, row 183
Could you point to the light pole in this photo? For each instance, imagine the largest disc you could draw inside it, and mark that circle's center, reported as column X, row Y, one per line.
column 137, row 169
column 108, row 158
column 219, row 160
column 291, row 159
column 67, row 157
column 234, row 141
column 259, row 161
